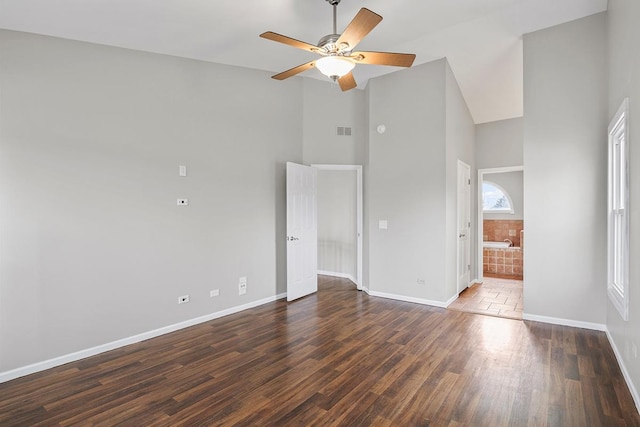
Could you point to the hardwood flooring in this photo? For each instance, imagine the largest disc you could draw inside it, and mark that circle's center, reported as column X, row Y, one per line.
column 337, row 358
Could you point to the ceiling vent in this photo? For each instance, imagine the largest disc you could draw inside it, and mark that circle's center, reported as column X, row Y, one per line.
column 343, row 131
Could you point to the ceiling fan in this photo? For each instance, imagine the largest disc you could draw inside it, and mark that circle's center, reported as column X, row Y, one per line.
column 338, row 56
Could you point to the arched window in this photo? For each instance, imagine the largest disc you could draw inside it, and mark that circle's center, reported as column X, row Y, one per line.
column 495, row 199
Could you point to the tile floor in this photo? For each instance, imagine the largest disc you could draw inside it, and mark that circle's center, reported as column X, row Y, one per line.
column 494, row 297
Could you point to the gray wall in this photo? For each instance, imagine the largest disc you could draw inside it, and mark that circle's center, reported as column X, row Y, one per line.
column 513, row 184
column 460, row 145
column 337, row 232
column 94, row 248
column 565, row 98
column 412, row 180
column 499, row 144
column 325, row 108
column 407, row 181
column 624, row 81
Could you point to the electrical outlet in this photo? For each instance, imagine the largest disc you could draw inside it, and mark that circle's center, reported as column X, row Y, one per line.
column 183, row 202
column 421, row 281
column 183, row 299
column 214, row 293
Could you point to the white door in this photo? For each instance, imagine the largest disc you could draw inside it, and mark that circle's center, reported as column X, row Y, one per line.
column 302, row 231
column 464, row 225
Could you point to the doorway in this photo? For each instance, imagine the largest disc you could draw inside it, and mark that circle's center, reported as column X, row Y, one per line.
column 340, row 221
column 500, row 246
column 500, row 221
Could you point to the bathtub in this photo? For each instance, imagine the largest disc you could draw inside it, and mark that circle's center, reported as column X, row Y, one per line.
column 496, row 245
column 500, row 260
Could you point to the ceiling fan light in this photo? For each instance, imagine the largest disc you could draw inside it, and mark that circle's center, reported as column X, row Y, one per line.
column 335, row 66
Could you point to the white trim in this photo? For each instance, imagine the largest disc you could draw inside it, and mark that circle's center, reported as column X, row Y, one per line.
column 480, row 225
column 623, row 368
column 412, row 299
column 359, row 213
column 617, row 217
column 451, row 300
column 565, row 322
column 340, row 275
column 72, row 357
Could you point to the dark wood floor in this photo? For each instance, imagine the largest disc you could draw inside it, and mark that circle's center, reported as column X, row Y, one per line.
column 338, row 358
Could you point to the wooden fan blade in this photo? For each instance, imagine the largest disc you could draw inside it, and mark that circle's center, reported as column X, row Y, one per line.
column 270, row 35
column 384, row 58
column 361, row 25
column 347, row 82
column 295, row 70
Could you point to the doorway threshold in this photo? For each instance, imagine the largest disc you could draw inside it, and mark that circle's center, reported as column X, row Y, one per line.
column 493, row 297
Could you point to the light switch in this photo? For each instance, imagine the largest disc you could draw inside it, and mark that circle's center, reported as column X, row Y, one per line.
column 382, row 224
column 182, row 170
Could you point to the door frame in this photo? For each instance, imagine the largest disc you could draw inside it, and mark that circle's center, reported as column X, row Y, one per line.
column 480, row 227
column 359, row 211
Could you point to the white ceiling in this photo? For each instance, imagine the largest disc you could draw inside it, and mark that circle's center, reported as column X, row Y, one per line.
column 482, row 39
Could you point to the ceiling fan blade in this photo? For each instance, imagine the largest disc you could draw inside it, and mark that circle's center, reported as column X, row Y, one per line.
column 270, row 35
column 361, row 25
column 384, row 58
column 347, row 82
column 295, row 70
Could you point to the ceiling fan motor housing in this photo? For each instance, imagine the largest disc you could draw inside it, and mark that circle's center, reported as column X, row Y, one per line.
column 328, row 43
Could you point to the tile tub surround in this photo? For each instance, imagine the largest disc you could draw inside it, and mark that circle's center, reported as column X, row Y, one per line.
column 497, row 230
column 505, row 263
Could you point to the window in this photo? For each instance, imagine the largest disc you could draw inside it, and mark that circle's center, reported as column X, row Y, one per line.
column 495, row 199
column 618, row 208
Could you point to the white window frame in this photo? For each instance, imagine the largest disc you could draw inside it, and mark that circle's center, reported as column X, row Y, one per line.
column 508, row 210
column 618, row 211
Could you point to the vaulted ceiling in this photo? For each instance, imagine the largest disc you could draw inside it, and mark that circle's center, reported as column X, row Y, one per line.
column 482, row 39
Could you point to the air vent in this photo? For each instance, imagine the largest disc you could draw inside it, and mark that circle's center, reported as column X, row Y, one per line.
column 343, row 131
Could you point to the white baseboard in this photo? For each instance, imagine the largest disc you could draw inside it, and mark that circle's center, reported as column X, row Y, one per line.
column 451, row 300
column 623, row 368
column 72, row 357
column 408, row 299
column 340, row 275
column 565, row 322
